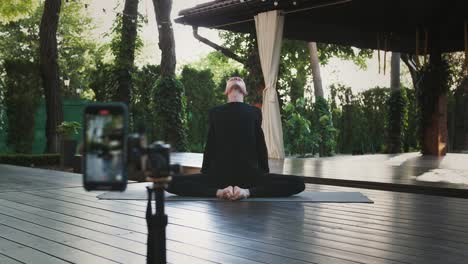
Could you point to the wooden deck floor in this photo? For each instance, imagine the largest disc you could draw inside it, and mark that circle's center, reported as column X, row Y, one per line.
column 57, row 222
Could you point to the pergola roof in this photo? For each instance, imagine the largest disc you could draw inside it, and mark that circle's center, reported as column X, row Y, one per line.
column 376, row 24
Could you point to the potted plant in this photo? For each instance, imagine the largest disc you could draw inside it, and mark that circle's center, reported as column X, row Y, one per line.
column 66, row 131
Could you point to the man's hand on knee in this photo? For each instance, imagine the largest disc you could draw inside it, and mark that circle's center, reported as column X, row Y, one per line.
column 226, row 193
column 240, row 193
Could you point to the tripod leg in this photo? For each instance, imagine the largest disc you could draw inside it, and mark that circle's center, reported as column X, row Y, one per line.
column 149, row 222
column 160, row 226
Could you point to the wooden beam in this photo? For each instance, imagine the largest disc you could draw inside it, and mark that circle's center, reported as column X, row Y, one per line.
column 226, row 52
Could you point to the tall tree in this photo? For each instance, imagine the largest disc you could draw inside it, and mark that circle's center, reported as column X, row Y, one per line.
column 162, row 8
column 315, row 67
column 125, row 57
column 395, row 71
column 397, row 105
column 50, row 71
column 169, row 99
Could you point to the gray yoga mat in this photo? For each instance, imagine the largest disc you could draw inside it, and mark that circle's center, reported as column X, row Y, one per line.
column 138, row 192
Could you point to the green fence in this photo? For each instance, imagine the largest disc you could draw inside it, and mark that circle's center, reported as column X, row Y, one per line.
column 72, row 111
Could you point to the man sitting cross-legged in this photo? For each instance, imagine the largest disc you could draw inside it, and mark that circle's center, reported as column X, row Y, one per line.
column 235, row 161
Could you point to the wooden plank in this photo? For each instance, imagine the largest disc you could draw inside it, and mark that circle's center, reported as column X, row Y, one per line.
column 418, row 223
column 12, row 252
column 173, row 257
column 18, row 253
column 246, row 252
column 50, row 247
column 421, row 229
column 16, row 178
column 137, row 247
column 8, row 260
column 223, row 223
column 125, row 209
column 85, row 245
column 197, row 237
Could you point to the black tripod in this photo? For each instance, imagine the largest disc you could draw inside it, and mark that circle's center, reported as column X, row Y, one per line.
column 157, row 222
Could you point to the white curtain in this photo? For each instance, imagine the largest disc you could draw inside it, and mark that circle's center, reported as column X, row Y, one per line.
column 269, row 27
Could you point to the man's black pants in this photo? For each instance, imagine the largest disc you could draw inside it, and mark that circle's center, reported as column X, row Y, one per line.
column 270, row 185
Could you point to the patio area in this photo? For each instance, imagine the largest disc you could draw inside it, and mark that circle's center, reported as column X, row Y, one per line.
column 407, row 172
column 47, row 217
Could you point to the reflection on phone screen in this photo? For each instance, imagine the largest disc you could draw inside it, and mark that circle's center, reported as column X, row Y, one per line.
column 104, row 147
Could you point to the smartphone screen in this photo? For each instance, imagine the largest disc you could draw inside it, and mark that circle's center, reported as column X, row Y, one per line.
column 105, row 147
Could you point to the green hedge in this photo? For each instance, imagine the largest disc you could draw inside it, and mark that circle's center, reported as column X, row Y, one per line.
column 30, row 160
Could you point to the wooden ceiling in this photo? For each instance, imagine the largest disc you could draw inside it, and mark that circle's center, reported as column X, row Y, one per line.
column 393, row 25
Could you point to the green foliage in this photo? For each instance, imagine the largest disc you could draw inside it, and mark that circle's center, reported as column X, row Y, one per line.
column 218, row 64
column 119, row 45
column 458, row 116
column 141, row 110
column 245, row 46
column 357, row 56
column 31, row 160
column 76, row 46
column 202, row 94
column 397, row 120
column 298, row 133
column 366, row 121
column 411, row 139
column 169, row 105
column 104, row 86
column 360, row 119
column 323, row 124
column 294, row 66
column 68, row 129
column 22, row 97
column 374, row 108
column 12, row 10
column 103, row 82
column 308, row 128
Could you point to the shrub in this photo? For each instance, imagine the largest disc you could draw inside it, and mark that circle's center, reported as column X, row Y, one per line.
column 202, row 94
column 31, row 160
column 103, row 82
column 323, row 124
column 299, row 136
column 22, row 100
column 170, row 123
column 68, row 129
column 397, row 120
column 360, row 119
column 141, row 111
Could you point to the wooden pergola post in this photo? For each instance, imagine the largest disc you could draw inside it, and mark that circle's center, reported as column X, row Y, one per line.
column 435, row 133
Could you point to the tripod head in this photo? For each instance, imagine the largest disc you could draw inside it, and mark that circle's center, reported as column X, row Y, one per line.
column 149, row 162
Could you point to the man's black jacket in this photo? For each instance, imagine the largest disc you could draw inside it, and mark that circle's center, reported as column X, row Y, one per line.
column 235, row 152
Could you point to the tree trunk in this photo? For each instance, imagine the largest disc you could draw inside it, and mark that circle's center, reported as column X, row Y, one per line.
column 395, row 72
column 396, row 111
column 434, row 126
column 162, row 8
column 413, row 69
column 126, row 54
column 315, row 66
column 50, row 71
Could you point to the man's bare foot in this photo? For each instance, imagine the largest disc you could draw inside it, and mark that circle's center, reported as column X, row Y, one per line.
column 226, row 193
column 240, row 193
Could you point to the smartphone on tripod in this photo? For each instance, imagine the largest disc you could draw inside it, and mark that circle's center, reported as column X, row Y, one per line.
column 105, row 146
